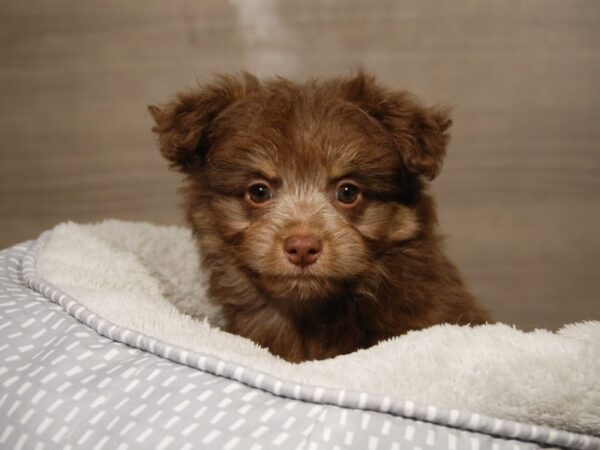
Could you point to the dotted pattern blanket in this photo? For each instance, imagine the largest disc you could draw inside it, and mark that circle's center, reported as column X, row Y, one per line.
column 70, row 379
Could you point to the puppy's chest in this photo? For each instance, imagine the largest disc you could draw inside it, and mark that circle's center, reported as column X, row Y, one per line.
column 315, row 335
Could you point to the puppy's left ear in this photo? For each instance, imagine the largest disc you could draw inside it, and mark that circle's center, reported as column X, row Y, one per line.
column 420, row 133
column 184, row 124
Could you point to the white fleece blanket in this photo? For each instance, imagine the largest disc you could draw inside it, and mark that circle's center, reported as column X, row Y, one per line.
column 144, row 277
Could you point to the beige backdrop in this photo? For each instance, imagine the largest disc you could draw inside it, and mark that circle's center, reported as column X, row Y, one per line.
column 518, row 195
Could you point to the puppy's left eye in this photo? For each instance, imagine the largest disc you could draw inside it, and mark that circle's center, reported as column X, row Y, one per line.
column 347, row 193
column 259, row 193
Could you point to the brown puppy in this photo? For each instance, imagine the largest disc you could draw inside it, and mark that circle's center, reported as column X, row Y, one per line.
column 309, row 205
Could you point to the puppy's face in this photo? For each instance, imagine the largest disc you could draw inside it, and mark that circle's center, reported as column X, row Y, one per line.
column 306, row 186
column 306, row 199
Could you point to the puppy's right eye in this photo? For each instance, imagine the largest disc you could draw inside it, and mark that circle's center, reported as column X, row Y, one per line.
column 347, row 193
column 259, row 193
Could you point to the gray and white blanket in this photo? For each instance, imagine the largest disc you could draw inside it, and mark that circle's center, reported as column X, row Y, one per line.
column 95, row 352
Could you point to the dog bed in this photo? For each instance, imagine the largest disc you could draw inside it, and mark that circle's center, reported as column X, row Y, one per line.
column 97, row 351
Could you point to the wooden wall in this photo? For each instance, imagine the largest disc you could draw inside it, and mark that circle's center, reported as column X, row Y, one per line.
column 519, row 193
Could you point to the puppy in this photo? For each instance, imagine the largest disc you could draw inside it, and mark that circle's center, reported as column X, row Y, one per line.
column 309, row 205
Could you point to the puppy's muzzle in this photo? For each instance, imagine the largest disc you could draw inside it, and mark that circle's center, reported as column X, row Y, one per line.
column 302, row 250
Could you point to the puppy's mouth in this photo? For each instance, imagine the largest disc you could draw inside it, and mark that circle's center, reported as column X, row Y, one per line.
column 300, row 285
column 299, row 276
column 294, row 278
column 290, row 272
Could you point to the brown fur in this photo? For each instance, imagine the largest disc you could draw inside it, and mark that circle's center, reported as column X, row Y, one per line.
column 381, row 271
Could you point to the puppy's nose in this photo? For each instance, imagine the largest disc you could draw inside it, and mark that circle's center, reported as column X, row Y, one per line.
column 302, row 250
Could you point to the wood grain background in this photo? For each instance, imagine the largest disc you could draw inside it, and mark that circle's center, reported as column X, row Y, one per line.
column 519, row 193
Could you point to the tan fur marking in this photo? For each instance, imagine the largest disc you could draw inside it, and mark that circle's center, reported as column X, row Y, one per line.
column 404, row 225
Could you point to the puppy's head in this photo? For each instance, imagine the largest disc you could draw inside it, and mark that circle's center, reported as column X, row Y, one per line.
column 306, row 187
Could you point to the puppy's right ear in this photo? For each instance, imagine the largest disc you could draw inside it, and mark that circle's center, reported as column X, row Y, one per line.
column 184, row 124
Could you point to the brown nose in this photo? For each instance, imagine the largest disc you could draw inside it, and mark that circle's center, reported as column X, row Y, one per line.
column 302, row 250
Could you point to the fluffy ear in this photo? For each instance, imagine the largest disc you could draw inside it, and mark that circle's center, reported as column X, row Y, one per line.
column 420, row 132
column 425, row 146
column 183, row 125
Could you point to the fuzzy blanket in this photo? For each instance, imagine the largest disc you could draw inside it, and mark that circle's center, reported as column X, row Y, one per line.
column 145, row 277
